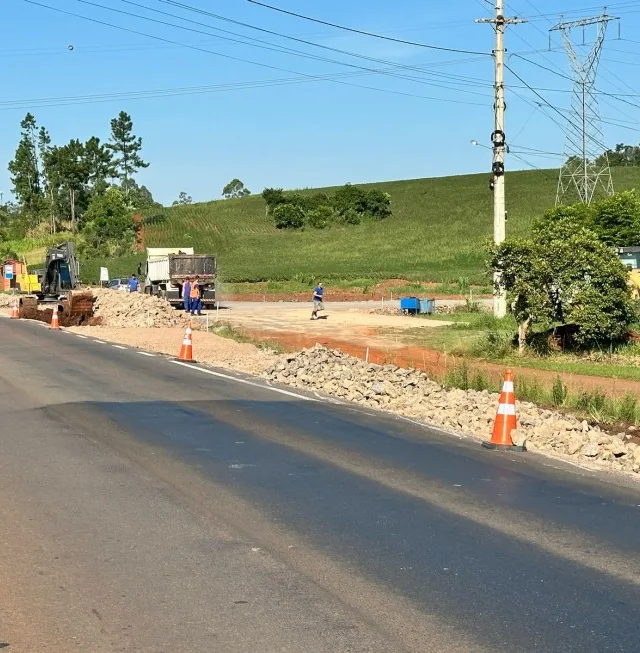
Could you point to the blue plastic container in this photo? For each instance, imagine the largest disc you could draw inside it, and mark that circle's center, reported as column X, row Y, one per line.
column 428, row 306
column 410, row 305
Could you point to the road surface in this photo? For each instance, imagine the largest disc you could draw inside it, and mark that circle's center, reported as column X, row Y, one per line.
column 150, row 506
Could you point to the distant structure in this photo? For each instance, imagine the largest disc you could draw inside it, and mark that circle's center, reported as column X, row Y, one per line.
column 585, row 171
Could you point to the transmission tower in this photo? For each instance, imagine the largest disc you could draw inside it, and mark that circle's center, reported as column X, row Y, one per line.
column 585, row 171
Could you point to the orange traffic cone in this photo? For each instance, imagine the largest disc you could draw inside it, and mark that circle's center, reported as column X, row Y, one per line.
column 186, row 351
column 15, row 311
column 505, row 418
column 55, row 321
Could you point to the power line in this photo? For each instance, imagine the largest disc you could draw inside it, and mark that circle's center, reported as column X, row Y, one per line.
column 364, row 33
column 233, row 58
column 268, row 46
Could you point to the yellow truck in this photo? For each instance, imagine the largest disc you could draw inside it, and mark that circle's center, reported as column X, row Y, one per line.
column 630, row 257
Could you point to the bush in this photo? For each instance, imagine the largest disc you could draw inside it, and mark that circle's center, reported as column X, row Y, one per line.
column 350, row 216
column 320, row 217
column 288, row 216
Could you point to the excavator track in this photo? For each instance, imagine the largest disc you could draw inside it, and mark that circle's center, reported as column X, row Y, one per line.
column 74, row 310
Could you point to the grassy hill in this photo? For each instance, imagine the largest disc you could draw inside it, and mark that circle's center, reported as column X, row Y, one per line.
column 436, row 233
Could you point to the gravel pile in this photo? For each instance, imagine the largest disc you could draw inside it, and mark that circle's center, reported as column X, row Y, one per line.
column 123, row 309
column 412, row 394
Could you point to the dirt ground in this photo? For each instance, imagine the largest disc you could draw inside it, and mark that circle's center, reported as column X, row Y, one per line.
column 207, row 347
column 356, row 331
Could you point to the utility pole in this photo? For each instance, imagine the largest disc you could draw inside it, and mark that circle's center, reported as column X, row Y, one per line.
column 499, row 142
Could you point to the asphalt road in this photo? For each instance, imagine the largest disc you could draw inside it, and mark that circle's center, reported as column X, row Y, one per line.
column 149, row 506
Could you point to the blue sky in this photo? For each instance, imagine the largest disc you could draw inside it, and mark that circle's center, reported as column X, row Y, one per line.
column 415, row 119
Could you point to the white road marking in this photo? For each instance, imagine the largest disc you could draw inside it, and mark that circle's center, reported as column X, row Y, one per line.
column 84, row 337
column 118, row 346
column 244, row 381
column 146, row 353
column 100, row 342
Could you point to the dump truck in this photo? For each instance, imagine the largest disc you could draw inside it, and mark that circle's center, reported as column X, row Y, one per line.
column 167, row 269
column 59, row 285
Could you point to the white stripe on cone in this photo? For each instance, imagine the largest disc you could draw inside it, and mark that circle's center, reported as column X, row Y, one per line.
column 507, row 386
column 506, row 409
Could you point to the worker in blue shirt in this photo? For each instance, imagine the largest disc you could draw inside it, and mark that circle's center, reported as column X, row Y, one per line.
column 318, row 295
column 186, row 294
column 133, row 283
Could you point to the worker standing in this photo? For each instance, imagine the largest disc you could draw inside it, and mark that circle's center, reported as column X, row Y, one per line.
column 318, row 296
column 133, row 283
column 186, row 294
column 196, row 303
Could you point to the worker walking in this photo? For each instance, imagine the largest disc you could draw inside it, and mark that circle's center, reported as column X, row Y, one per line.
column 194, row 295
column 133, row 283
column 318, row 296
column 186, row 294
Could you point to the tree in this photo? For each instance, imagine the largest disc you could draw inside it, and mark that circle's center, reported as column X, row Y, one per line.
column 288, row 216
column 25, row 170
column 623, row 155
column 616, row 220
column 235, row 188
column 139, row 197
column 565, row 276
column 183, row 198
column 273, row 197
column 125, row 147
column 109, row 228
column 73, row 172
column 99, row 165
column 50, row 177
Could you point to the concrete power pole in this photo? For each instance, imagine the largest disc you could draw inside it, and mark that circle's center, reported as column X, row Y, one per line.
column 499, row 142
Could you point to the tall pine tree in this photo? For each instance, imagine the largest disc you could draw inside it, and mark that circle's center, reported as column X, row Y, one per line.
column 25, row 171
column 126, row 147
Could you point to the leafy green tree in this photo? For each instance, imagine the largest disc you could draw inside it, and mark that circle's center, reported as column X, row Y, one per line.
column 288, row 216
column 234, row 189
column 183, row 199
column 126, row 148
column 273, row 197
column 73, row 172
column 99, row 164
column 623, row 155
column 349, row 197
column 139, row 197
column 109, row 229
column 616, row 219
column 50, row 177
column 378, row 204
column 25, row 170
column 565, row 276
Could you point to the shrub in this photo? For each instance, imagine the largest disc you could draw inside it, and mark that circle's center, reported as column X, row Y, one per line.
column 288, row 216
column 320, row 217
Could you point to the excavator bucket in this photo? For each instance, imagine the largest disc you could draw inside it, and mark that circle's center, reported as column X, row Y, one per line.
column 76, row 309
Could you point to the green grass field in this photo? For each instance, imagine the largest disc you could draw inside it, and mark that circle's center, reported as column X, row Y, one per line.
column 436, row 233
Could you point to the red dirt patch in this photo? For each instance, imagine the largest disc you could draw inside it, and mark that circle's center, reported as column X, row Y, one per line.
column 437, row 364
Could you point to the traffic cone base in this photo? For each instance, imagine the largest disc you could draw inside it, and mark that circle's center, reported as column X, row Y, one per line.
column 506, row 420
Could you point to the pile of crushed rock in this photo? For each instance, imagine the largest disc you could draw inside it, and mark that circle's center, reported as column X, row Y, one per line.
column 412, row 394
column 124, row 309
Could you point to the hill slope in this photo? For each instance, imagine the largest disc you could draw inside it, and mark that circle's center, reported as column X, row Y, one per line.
column 436, row 233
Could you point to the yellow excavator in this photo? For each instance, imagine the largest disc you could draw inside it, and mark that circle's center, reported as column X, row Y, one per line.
column 630, row 257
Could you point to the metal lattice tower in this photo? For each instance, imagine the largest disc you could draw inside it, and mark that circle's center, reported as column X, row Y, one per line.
column 585, row 172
